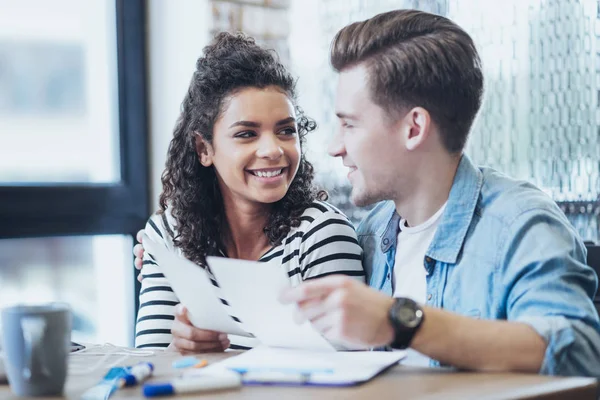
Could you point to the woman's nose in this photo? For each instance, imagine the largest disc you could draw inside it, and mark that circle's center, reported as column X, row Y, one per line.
column 269, row 147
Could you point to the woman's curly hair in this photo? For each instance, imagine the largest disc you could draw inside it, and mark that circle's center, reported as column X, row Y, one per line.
column 190, row 191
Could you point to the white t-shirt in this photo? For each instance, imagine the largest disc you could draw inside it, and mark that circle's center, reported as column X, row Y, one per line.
column 410, row 275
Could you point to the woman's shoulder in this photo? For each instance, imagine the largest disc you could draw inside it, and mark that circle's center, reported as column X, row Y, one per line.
column 161, row 226
column 319, row 210
column 321, row 220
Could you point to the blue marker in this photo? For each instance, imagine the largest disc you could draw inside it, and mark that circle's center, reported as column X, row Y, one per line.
column 206, row 383
column 137, row 374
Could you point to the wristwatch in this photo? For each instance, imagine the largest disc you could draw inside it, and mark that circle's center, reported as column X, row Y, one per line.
column 405, row 316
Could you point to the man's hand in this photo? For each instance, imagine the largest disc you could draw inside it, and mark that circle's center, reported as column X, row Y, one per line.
column 138, row 252
column 344, row 310
column 188, row 339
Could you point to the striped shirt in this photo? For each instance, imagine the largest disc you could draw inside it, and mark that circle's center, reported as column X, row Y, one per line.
column 325, row 243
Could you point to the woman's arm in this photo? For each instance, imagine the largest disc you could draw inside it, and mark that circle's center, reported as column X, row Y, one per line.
column 157, row 300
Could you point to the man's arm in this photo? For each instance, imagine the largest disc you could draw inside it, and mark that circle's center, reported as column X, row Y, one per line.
column 542, row 284
column 479, row 344
column 350, row 312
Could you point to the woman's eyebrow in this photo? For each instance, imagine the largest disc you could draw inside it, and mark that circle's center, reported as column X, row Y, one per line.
column 286, row 121
column 249, row 124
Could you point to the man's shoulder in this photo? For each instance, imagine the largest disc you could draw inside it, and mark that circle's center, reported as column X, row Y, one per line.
column 377, row 219
column 507, row 199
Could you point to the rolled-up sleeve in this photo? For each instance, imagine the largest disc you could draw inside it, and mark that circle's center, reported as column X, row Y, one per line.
column 548, row 286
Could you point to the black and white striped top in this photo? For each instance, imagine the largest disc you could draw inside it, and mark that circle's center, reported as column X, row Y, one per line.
column 325, row 243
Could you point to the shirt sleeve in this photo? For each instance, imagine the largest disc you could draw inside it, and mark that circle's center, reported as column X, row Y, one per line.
column 330, row 246
column 549, row 287
column 157, row 300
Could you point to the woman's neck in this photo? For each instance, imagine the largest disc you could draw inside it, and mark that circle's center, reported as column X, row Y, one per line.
column 244, row 236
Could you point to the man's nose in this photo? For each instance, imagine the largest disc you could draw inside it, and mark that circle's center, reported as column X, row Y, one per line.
column 336, row 146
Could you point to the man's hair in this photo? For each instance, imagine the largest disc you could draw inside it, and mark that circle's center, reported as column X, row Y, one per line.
column 417, row 59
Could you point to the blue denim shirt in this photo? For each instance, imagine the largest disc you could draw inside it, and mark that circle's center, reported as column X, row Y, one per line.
column 503, row 250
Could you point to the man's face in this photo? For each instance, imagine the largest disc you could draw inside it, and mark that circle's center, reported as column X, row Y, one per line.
column 368, row 142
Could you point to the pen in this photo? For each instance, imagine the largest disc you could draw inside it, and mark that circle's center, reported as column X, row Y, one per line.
column 189, row 362
column 137, row 374
column 191, row 385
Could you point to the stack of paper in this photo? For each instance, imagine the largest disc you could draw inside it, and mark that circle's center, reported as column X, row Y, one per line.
column 249, row 291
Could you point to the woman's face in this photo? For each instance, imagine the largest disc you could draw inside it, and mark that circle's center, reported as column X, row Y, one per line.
column 256, row 148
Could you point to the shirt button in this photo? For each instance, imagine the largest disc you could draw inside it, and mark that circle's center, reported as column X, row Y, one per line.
column 428, row 259
column 386, row 241
column 429, row 296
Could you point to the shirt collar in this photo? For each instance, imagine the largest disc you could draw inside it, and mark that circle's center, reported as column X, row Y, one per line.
column 455, row 222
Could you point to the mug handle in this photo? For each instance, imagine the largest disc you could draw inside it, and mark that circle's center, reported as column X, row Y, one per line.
column 33, row 328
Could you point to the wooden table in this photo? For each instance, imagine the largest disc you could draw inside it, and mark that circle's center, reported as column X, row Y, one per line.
column 397, row 383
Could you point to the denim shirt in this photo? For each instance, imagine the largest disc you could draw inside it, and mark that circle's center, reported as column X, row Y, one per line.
column 503, row 250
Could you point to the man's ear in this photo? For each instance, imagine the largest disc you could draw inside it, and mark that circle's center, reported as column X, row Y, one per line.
column 204, row 151
column 416, row 127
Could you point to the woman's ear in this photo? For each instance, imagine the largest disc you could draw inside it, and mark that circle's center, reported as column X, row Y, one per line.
column 204, row 151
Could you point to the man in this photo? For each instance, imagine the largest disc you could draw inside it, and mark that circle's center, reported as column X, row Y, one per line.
column 486, row 272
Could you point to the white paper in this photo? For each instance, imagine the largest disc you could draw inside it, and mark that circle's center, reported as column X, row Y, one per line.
column 338, row 368
column 252, row 289
column 194, row 289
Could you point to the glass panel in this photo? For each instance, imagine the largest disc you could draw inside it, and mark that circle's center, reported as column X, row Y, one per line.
column 91, row 273
column 58, row 91
column 539, row 120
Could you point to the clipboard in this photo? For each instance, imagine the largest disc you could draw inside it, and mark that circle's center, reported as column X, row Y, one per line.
column 289, row 367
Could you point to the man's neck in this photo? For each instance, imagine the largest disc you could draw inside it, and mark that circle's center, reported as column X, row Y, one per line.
column 430, row 191
column 244, row 236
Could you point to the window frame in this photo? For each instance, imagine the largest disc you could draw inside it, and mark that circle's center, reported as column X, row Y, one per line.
column 58, row 209
column 84, row 209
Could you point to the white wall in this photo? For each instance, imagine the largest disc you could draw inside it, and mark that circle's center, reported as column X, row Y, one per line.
column 177, row 32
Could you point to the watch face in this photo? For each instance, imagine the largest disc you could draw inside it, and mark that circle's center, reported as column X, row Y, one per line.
column 408, row 314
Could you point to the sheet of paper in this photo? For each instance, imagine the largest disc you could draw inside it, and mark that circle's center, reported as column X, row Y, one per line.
column 340, row 368
column 194, row 289
column 252, row 289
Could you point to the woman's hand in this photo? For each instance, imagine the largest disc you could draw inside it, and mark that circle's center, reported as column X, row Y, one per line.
column 138, row 252
column 188, row 339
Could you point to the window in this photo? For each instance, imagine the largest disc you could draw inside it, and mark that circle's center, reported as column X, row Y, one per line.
column 73, row 158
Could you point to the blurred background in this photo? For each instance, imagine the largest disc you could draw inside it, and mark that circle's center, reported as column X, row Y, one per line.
column 90, row 91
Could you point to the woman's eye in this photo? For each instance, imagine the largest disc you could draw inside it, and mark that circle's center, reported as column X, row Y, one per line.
column 245, row 134
column 288, row 131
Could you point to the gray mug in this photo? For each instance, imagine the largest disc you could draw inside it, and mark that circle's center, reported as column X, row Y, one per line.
column 36, row 342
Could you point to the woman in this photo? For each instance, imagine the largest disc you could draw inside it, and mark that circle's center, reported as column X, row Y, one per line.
column 237, row 185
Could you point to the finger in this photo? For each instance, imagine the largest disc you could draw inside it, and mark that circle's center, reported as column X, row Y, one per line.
column 323, row 323
column 138, row 251
column 314, row 289
column 225, row 344
column 140, row 278
column 139, row 235
column 137, row 262
column 188, row 331
column 309, row 310
column 184, row 345
column 181, row 314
